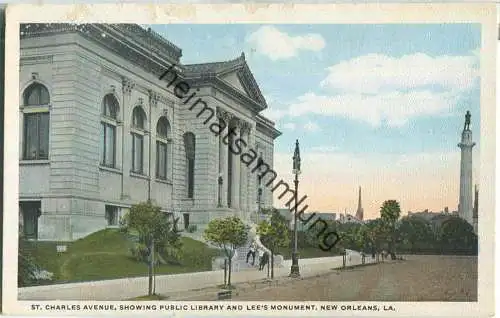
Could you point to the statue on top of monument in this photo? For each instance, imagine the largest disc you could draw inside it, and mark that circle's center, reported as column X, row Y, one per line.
column 467, row 121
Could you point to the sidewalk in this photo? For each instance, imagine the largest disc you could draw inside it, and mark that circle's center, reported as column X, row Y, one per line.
column 126, row 288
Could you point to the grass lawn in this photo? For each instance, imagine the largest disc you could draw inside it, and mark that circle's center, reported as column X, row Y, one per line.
column 106, row 255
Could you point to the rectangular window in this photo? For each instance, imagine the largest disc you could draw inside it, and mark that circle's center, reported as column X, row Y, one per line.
column 108, row 144
column 161, row 160
column 137, row 151
column 190, row 178
column 36, row 136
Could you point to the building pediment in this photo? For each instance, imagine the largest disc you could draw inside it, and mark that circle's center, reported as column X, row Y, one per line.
column 234, row 74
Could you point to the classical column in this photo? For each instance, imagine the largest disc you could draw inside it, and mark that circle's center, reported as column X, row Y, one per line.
column 127, row 88
column 465, row 200
column 224, row 118
column 236, row 163
column 243, row 171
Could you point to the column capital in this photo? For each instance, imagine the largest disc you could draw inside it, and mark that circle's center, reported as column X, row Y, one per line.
column 154, row 98
column 246, row 127
column 224, row 115
column 127, row 85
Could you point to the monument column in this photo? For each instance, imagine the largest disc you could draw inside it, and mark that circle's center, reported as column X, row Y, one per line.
column 465, row 199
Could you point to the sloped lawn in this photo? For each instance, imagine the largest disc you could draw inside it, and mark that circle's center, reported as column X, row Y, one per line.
column 106, row 255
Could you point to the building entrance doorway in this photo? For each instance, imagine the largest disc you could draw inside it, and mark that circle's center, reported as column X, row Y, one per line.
column 30, row 212
column 186, row 220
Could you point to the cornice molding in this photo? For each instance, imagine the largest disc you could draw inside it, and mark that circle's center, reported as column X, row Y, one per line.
column 40, row 59
column 144, row 48
column 228, row 90
column 266, row 126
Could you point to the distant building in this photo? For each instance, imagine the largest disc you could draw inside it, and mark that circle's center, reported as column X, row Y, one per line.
column 348, row 218
column 426, row 214
column 327, row 216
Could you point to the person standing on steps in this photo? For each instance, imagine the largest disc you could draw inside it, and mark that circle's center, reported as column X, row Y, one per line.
column 251, row 251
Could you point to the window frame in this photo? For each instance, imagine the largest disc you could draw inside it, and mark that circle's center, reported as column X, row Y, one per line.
column 111, row 123
column 37, row 138
column 42, row 108
column 31, row 87
column 138, row 132
column 160, row 143
column 190, row 164
column 163, row 141
column 140, row 136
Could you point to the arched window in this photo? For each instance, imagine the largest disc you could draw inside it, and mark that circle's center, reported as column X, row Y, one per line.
column 35, row 95
column 162, row 148
column 36, row 123
column 109, row 114
column 138, row 124
column 190, row 147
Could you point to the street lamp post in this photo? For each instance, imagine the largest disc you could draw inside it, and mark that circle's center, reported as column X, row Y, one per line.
column 259, row 196
column 219, row 200
column 294, row 270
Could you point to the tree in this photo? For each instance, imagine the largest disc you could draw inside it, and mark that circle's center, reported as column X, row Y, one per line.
column 416, row 232
column 457, row 236
column 274, row 234
column 389, row 213
column 375, row 235
column 227, row 234
column 153, row 228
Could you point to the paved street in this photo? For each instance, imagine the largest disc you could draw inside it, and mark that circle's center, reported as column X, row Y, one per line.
column 122, row 289
column 418, row 278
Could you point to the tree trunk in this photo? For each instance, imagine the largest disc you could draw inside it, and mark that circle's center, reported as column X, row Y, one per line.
column 272, row 265
column 229, row 273
column 150, row 270
column 153, row 267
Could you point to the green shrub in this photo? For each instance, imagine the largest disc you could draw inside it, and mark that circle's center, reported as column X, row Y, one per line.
column 139, row 252
column 26, row 267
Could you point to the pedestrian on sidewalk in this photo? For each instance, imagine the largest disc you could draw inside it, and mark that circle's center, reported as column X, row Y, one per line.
column 251, row 251
column 264, row 260
column 260, row 253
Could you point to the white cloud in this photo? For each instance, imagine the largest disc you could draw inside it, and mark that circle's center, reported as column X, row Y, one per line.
column 375, row 88
column 273, row 43
column 274, row 114
column 322, row 149
column 290, row 126
column 393, row 107
column 311, row 126
column 375, row 73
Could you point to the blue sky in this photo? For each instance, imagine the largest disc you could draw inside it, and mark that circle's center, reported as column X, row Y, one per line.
column 367, row 93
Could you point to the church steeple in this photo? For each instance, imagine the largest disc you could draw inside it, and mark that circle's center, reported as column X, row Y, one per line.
column 359, row 212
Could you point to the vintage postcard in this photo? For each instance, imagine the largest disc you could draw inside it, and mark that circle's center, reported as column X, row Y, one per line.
column 290, row 160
